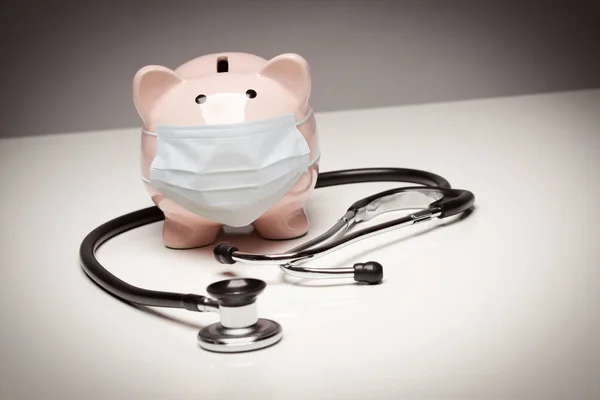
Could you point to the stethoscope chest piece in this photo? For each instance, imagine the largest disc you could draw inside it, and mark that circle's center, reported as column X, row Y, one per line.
column 263, row 333
column 240, row 329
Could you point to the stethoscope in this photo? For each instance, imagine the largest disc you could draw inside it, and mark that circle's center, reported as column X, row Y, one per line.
column 240, row 329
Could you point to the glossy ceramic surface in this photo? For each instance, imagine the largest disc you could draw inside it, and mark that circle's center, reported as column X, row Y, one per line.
column 281, row 85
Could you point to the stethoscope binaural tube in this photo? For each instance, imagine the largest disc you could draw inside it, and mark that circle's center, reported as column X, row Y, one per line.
column 443, row 203
column 446, row 202
column 119, row 288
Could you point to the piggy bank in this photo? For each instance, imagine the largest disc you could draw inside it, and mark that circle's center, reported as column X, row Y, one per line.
column 228, row 139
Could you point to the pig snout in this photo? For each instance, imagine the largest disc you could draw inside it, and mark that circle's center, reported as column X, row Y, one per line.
column 224, row 108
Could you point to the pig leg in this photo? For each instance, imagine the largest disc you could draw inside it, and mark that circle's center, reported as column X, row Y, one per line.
column 186, row 234
column 288, row 219
column 284, row 223
column 183, row 229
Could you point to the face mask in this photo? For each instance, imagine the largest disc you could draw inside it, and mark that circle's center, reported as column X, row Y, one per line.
column 230, row 173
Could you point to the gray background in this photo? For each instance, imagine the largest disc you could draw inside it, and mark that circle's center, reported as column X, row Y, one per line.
column 68, row 66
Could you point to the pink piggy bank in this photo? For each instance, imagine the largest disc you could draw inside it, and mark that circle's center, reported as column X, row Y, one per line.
column 228, row 139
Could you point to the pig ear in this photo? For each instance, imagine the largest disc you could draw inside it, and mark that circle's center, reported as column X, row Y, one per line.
column 148, row 84
column 292, row 71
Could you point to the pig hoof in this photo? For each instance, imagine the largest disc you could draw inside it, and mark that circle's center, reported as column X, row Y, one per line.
column 180, row 236
column 293, row 226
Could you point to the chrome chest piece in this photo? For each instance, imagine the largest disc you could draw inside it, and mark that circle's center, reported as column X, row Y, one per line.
column 240, row 328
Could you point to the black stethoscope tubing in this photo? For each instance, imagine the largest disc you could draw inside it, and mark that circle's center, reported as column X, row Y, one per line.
column 454, row 201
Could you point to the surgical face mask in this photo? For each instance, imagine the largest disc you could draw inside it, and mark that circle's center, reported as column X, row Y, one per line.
column 230, row 173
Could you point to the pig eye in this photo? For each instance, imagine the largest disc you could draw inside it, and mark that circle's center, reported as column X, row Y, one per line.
column 200, row 99
column 251, row 93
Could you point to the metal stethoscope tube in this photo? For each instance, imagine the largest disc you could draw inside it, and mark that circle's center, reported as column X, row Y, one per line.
column 339, row 236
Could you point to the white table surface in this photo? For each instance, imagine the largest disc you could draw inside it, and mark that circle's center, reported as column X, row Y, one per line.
column 504, row 304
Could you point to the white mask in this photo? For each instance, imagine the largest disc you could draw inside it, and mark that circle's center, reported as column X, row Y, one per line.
column 230, row 173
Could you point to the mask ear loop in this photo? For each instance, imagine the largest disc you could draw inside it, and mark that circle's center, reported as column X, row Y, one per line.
column 306, row 118
column 145, row 132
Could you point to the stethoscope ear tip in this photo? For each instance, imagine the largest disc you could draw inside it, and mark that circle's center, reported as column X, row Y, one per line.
column 223, row 253
column 370, row 272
